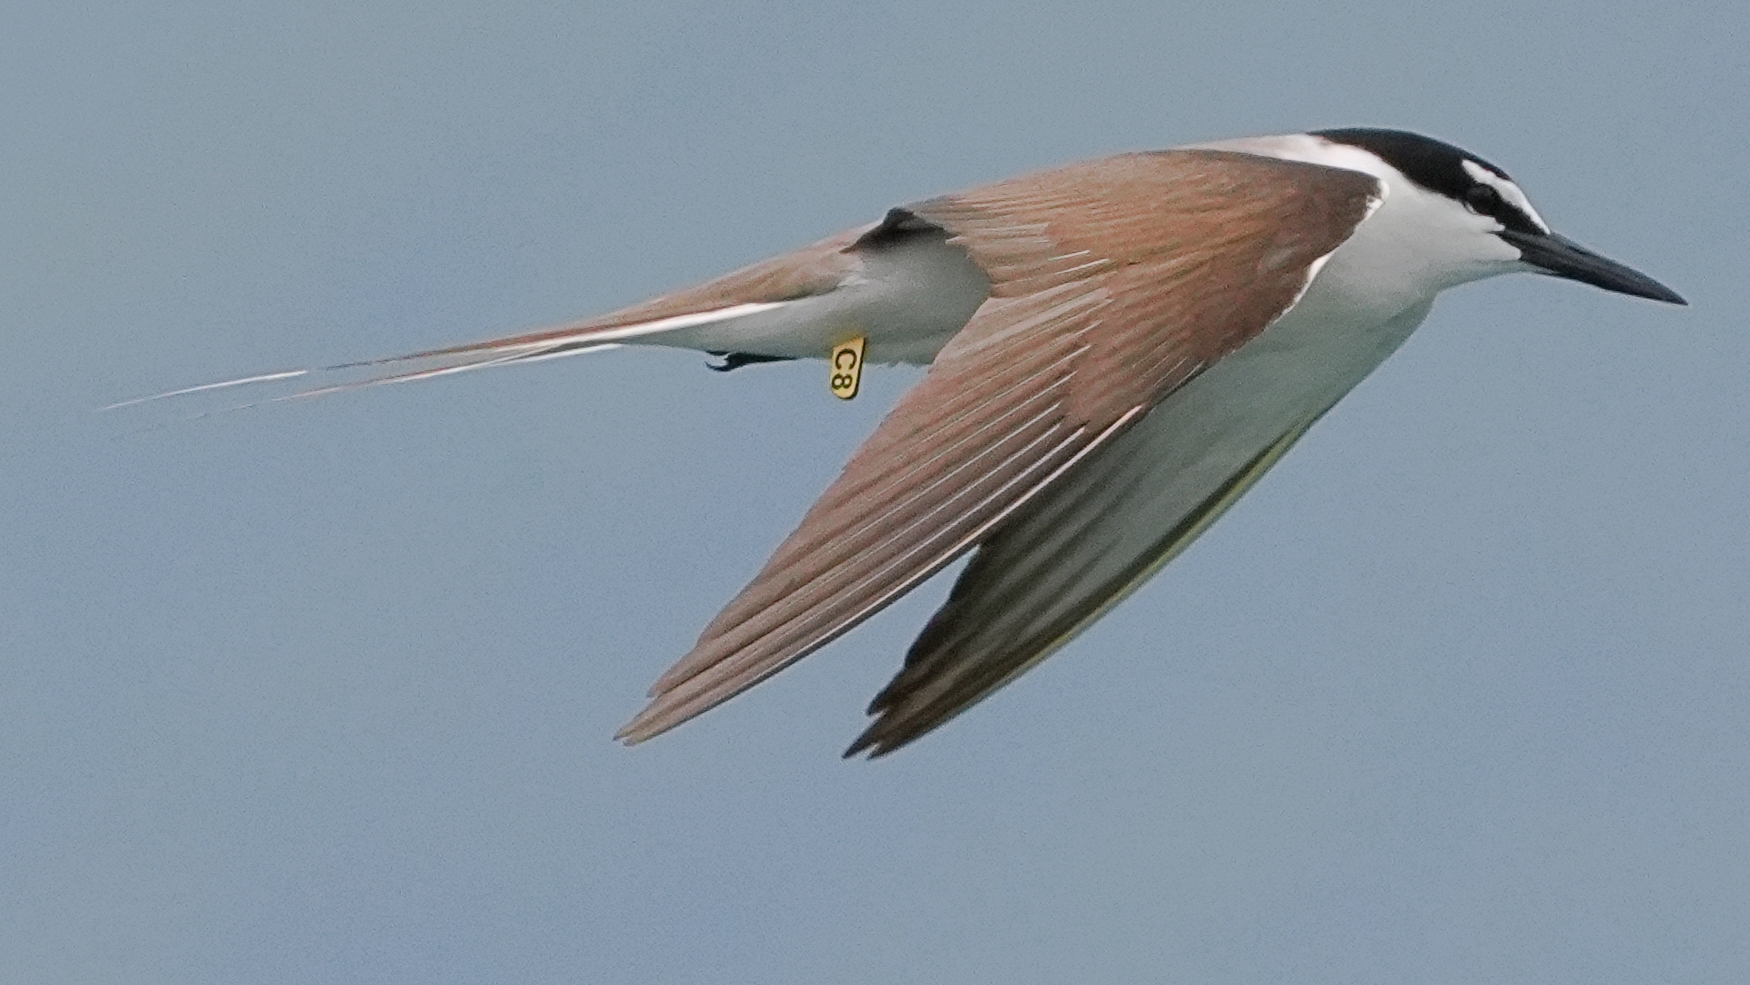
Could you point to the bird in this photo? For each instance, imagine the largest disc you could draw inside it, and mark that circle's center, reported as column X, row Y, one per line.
column 1118, row 349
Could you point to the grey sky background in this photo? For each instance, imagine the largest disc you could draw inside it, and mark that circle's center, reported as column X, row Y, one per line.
column 323, row 692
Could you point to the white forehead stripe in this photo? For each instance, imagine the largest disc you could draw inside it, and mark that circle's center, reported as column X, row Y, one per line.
column 1509, row 191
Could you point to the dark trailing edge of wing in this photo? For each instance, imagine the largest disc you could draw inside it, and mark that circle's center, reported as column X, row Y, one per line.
column 897, row 726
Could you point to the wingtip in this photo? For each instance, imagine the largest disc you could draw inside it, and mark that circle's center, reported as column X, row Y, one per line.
column 657, row 717
column 879, row 739
column 641, row 728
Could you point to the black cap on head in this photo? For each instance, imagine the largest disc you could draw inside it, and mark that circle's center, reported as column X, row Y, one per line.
column 1439, row 167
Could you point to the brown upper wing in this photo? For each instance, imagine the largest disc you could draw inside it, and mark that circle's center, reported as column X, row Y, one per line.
column 1113, row 282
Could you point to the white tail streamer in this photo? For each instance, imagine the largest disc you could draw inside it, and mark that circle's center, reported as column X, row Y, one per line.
column 525, row 348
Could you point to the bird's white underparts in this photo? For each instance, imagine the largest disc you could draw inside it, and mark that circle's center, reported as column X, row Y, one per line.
column 1118, row 350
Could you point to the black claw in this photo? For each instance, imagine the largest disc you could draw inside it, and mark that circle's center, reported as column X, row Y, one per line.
column 736, row 360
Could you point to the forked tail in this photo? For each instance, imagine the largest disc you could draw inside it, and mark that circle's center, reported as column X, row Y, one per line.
column 529, row 347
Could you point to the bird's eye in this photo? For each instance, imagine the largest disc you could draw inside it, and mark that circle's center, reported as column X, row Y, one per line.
column 1482, row 199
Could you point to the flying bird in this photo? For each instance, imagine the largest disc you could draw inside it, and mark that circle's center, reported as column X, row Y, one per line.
column 1117, row 349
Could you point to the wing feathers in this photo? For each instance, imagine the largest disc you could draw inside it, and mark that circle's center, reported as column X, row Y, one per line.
column 764, row 654
column 1111, row 285
column 1034, row 587
column 966, row 445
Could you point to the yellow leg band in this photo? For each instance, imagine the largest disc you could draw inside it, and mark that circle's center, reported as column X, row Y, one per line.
column 845, row 368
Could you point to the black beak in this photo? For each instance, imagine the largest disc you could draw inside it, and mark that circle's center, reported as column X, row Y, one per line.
column 1560, row 256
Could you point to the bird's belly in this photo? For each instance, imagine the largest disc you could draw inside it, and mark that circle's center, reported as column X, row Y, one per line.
column 907, row 301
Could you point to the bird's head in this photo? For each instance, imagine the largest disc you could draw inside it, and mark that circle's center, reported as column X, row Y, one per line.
column 1483, row 213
